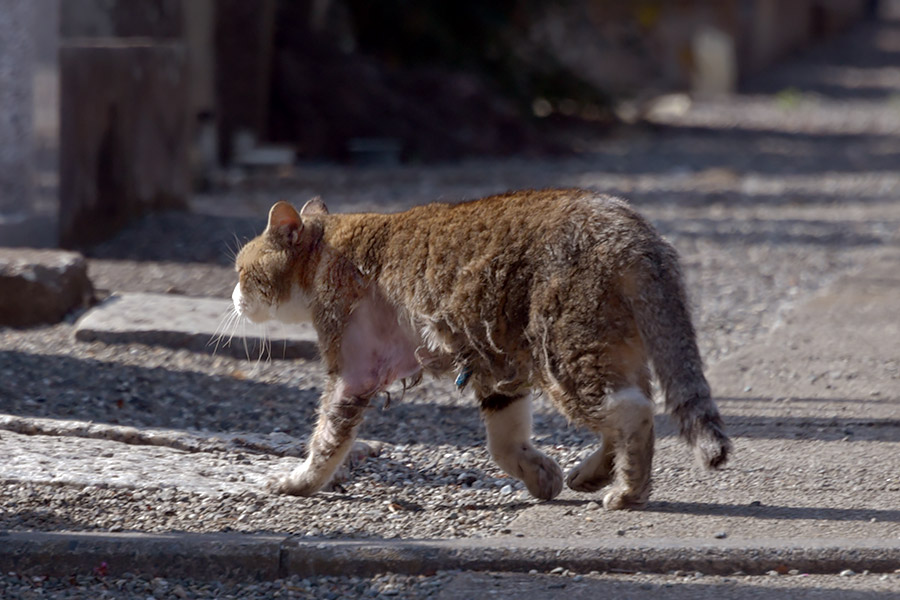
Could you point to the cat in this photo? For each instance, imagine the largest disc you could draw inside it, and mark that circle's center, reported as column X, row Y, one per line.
column 568, row 291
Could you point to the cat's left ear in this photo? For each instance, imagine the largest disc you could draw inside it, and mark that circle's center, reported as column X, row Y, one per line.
column 284, row 220
column 314, row 207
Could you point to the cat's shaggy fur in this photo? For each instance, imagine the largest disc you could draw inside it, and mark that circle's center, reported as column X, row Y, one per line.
column 568, row 291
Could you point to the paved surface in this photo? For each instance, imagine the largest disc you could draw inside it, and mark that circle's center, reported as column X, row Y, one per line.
column 122, row 478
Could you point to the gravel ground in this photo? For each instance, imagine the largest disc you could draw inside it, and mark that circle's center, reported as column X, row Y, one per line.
column 755, row 236
column 767, row 198
column 461, row 586
column 99, row 586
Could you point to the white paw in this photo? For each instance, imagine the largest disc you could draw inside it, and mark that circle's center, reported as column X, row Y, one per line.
column 619, row 499
column 293, row 485
column 363, row 449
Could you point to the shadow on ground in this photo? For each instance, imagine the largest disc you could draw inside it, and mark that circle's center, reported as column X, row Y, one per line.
column 157, row 397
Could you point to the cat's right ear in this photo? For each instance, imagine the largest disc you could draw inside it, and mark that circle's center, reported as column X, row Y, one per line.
column 285, row 221
column 314, row 207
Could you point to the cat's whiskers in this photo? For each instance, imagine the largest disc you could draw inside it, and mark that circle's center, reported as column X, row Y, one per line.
column 232, row 249
column 243, row 323
column 216, row 338
column 236, row 319
column 265, row 346
column 227, row 323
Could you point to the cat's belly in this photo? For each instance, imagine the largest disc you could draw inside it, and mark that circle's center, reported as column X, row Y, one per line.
column 375, row 350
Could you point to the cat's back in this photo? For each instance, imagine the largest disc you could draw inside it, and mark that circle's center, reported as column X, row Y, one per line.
column 518, row 213
column 443, row 244
column 500, row 244
column 528, row 224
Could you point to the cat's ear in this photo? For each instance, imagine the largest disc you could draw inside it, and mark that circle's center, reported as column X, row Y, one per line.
column 284, row 220
column 314, row 207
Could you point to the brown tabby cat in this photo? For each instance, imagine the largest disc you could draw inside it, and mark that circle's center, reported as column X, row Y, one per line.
column 568, row 291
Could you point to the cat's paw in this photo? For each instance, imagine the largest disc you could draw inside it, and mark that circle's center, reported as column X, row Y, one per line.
column 362, row 450
column 619, row 499
column 591, row 475
column 581, row 481
column 291, row 486
column 542, row 476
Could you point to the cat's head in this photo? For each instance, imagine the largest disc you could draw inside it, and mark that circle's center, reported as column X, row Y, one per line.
column 272, row 268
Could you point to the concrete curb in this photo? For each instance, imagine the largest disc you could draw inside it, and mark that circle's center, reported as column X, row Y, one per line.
column 261, row 557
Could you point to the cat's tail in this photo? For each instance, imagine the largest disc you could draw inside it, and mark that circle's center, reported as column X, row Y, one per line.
column 664, row 320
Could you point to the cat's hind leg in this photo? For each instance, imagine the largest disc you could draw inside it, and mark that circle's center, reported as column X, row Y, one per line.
column 508, row 423
column 631, row 427
column 625, row 423
column 340, row 414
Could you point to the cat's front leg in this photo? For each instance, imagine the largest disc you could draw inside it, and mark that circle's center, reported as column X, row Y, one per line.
column 508, row 423
column 340, row 414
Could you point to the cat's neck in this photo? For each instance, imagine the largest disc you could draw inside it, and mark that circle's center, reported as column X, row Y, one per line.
column 359, row 237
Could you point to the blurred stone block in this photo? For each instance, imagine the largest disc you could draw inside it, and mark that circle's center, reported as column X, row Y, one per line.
column 125, row 134
column 196, row 324
column 715, row 69
column 41, row 286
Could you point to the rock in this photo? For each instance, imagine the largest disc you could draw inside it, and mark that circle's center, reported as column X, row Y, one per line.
column 197, row 324
column 41, row 286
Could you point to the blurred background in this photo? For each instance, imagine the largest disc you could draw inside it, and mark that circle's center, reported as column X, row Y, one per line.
column 112, row 109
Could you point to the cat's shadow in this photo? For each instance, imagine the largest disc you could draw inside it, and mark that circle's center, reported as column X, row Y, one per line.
column 774, row 511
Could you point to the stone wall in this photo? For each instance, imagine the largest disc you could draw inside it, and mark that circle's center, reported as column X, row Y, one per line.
column 124, row 134
column 124, row 115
